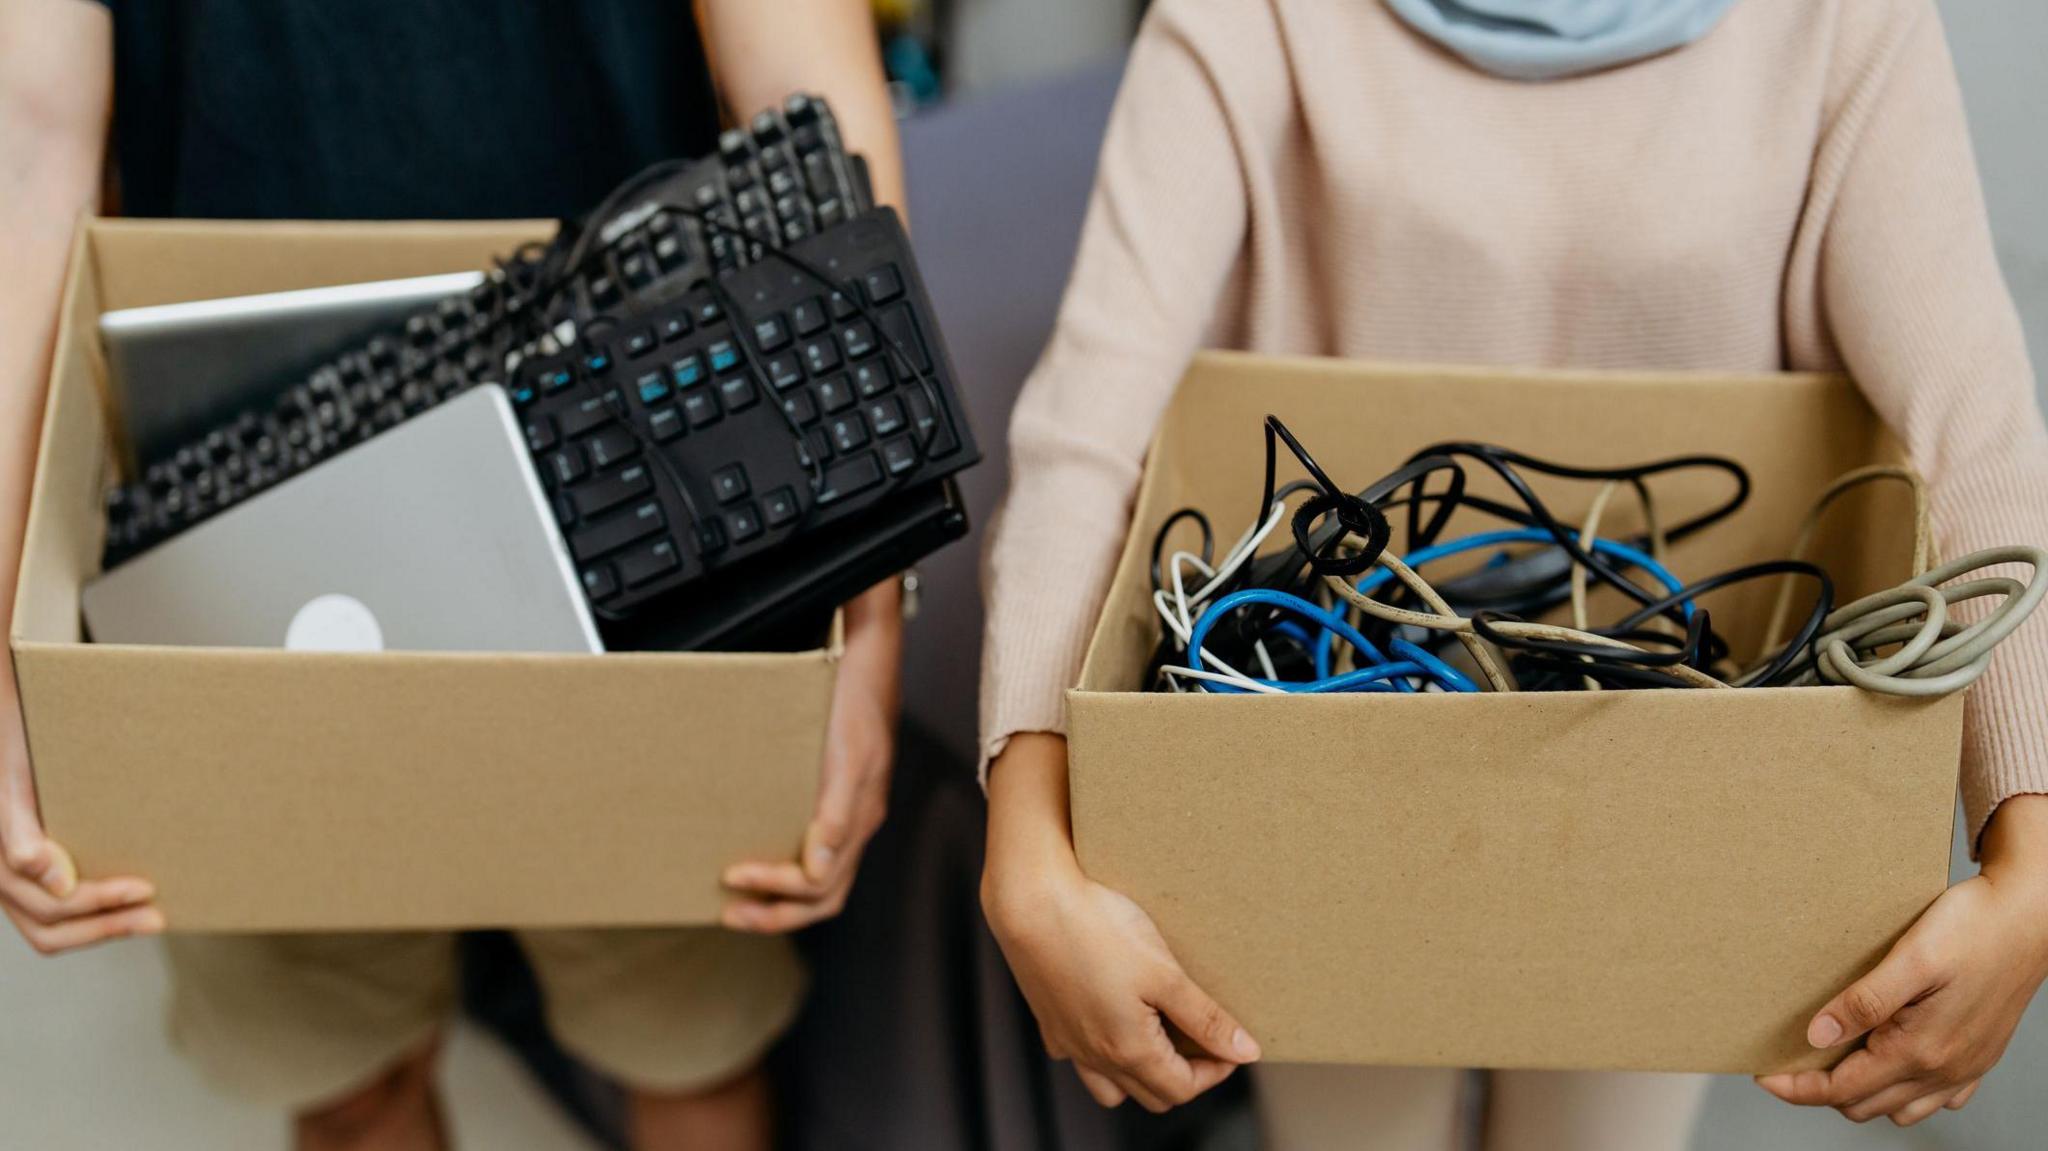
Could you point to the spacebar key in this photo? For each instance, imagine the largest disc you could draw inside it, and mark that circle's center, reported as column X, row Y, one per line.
column 848, row 476
column 615, row 533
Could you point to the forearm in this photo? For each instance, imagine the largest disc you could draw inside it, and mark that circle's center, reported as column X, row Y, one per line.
column 874, row 642
column 48, row 177
column 762, row 52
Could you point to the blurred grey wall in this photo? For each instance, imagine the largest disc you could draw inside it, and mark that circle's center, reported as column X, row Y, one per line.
column 2001, row 49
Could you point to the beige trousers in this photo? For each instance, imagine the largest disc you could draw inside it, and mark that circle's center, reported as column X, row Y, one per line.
column 1305, row 1107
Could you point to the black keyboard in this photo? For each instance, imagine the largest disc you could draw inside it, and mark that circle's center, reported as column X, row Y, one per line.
column 641, row 257
column 683, row 438
column 726, row 355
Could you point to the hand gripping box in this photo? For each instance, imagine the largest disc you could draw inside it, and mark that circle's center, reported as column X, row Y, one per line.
column 274, row 790
column 1656, row 880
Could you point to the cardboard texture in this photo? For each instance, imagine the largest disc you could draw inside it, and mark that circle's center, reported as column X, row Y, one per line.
column 272, row 790
column 1669, row 880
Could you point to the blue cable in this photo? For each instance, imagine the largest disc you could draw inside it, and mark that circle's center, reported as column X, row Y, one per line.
column 1378, row 673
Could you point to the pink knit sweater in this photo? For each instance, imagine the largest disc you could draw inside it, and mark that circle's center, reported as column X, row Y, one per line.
column 1795, row 191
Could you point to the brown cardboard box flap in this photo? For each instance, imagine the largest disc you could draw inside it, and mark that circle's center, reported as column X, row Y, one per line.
column 1665, row 880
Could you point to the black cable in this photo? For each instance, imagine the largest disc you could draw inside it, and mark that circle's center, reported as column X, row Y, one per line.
column 1165, row 529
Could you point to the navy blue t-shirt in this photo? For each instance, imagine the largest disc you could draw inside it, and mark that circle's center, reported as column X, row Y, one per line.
column 390, row 109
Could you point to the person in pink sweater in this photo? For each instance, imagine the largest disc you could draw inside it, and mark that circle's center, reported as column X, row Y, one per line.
column 1725, row 185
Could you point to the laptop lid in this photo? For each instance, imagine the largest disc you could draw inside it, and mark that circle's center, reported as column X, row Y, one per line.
column 178, row 370
column 434, row 536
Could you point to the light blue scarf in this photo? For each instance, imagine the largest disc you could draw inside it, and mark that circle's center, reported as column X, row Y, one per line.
column 1550, row 39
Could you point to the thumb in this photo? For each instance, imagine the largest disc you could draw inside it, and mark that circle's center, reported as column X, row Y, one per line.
column 1203, row 1020
column 60, row 874
column 27, row 852
column 832, row 826
column 1870, row 1001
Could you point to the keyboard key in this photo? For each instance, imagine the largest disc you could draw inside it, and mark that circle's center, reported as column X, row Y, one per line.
column 637, row 269
column 818, row 175
column 607, row 492
column 738, row 392
column 858, row 339
column 700, row 408
column 522, row 395
column 687, row 372
column 815, row 446
column 704, row 307
column 599, row 583
column 848, row 433
column 770, row 333
column 567, row 466
column 850, row 476
column 800, row 408
column 565, row 511
column 936, row 435
column 883, row 284
column 831, row 212
column 783, row 371
column 711, row 536
column 820, row 355
column 724, row 357
column 610, row 446
column 628, row 526
column 588, row 414
column 807, row 316
column 899, row 455
column 555, row 380
column 597, row 361
column 666, row 424
column 780, row 507
column 649, row 562
column 603, row 292
column 675, row 327
column 901, row 331
column 640, row 343
column 729, row 483
column 835, row 394
column 885, row 416
column 842, row 307
column 782, row 185
column 744, row 523
column 873, row 377
column 540, row 433
column 669, row 252
column 653, row 389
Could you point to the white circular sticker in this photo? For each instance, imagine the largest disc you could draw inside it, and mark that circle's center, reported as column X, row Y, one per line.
column 334, row 623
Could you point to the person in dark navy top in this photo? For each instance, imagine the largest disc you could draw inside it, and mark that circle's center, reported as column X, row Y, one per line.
column 327, row 109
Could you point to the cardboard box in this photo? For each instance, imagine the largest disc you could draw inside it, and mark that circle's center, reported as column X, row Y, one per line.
column 1664, row 880
column 273, row 790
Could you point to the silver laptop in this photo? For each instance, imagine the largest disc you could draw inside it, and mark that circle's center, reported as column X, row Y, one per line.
column 434, row 536
column 178, row 370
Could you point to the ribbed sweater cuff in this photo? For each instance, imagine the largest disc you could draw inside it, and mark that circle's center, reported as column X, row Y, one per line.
column 2005, row 725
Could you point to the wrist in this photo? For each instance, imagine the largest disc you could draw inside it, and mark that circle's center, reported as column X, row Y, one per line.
column 2014, row 850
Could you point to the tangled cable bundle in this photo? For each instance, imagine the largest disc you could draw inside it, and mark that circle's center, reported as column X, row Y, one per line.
column 1334, row 610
